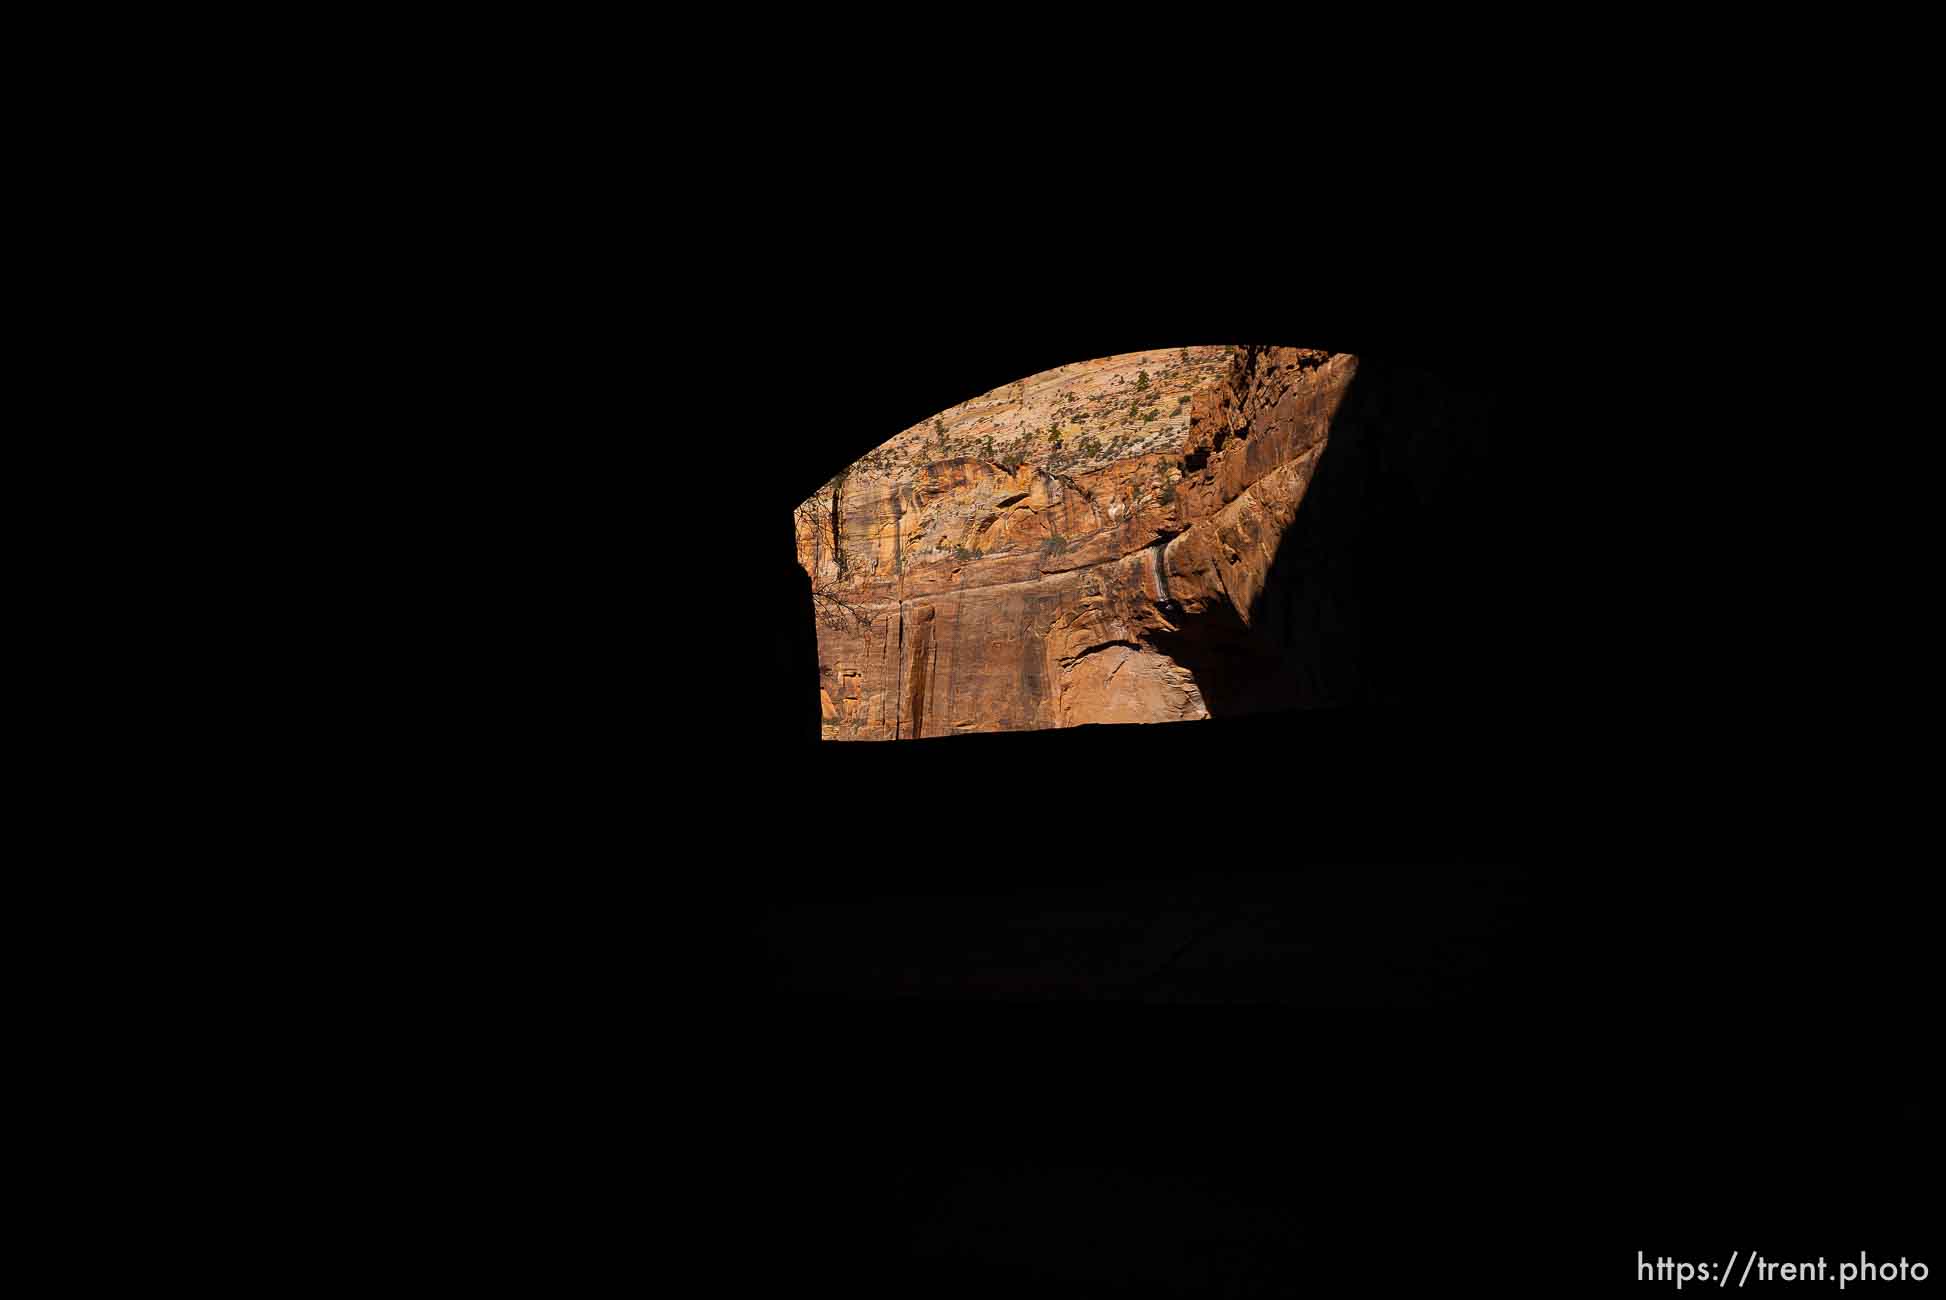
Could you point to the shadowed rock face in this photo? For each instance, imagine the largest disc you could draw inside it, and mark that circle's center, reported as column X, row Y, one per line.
column 1072, row 548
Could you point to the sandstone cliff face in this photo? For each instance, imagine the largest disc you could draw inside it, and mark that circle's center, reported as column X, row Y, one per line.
column 1046, row 554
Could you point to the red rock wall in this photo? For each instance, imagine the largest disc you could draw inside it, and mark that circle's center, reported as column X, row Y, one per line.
column 959, row 595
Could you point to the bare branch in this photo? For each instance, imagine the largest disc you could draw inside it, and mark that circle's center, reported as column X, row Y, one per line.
column 834, row 606
column 835, row 609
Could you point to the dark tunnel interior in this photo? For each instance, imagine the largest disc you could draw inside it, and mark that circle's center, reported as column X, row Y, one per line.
column 1417, row 824
column 1469, row 945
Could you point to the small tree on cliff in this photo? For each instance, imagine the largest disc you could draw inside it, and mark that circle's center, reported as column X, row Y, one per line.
column 833, row 604
column 836, row 609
